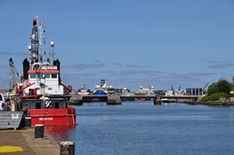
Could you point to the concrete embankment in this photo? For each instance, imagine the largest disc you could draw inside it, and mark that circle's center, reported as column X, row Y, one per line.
column 22, row 142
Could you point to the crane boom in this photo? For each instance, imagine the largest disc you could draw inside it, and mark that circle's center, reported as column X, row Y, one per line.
column 205, row 86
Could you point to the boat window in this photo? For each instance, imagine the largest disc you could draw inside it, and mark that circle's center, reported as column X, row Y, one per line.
column 47, row 76
column 32, row 76
column 40, row 75
column 1, row 98
column 38, row 105
column 56, row 105
column 54, row 75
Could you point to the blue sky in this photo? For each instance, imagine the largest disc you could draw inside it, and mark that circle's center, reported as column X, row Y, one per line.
column 129, row 43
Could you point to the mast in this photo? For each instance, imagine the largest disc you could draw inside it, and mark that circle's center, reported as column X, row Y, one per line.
column 37, row 41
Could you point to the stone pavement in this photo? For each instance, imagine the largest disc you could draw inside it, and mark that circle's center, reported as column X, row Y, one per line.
column 23, row 140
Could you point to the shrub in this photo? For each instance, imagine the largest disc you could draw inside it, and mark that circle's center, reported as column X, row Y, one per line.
column 231, row 95
column 214, row 97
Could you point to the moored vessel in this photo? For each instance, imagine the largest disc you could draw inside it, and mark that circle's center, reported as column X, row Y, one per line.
column 144, row 91
column 101, row 90
column 40, row 89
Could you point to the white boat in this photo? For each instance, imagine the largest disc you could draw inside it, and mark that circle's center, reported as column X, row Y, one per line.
column 102, row 89
column 145, row 90
column 172, row 92
column 83, row 92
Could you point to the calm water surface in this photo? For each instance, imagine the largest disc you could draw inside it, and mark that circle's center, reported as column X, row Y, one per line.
column 141, row 128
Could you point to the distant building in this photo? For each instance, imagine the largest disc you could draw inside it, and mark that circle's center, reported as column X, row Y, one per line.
column 193, row 91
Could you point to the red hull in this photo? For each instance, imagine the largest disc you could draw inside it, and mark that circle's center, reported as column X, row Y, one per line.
column 53, row 116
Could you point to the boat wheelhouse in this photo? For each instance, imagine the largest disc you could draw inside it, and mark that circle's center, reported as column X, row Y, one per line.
column 45, row 80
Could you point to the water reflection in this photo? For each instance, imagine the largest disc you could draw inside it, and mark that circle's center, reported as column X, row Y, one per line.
column 59, row 133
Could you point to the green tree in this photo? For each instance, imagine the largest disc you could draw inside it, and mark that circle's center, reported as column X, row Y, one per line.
column 221, row 86
column 212, row 89
column 224, row 86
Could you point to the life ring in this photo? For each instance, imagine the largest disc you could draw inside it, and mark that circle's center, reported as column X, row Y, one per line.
column 45, row 112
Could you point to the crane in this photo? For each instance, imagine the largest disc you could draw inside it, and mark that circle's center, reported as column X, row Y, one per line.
column 14, row 73
column 204, row 88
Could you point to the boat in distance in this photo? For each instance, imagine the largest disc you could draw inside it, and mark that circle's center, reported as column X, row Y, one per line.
column 102, row 89
column 40, row 89
column 148, row 91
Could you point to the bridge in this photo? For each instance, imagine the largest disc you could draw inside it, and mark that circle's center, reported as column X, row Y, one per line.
column 159, row 98
column 115, row 99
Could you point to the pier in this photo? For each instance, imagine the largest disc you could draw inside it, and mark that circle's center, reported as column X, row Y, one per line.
column 115, row 99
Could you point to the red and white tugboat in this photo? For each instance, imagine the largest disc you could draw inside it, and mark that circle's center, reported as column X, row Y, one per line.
column 42, row 92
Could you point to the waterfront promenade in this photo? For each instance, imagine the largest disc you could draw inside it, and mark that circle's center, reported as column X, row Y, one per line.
column 23, row 140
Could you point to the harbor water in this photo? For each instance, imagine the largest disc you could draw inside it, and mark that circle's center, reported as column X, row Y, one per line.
column 141, row 128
